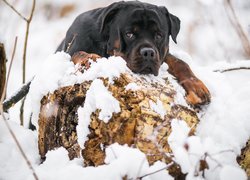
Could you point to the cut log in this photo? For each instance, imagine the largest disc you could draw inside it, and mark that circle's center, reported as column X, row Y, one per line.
column 2, row 68
column 138, row 124
column 58, row 119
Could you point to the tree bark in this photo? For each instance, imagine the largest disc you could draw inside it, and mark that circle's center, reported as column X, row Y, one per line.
column 2, row 68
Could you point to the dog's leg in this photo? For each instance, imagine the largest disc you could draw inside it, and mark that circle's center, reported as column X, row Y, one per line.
column 196, row 92
column 82, row 58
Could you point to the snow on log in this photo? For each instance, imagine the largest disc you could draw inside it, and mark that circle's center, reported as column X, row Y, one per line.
column 87, row 117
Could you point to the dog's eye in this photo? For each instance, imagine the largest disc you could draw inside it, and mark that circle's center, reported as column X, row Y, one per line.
column 130, row 35
column 158, row 36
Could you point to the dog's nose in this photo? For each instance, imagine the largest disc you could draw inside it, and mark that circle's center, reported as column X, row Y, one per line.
column 147, row 53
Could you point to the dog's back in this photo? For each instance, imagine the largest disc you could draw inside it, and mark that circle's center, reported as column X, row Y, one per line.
column 84, row 34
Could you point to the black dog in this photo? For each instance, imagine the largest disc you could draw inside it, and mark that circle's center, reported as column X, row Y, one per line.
column 138, row 32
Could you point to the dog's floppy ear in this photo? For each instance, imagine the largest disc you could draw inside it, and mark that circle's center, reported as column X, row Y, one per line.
column 175, row 26
column 108, row 14
column 115, row 41
column 109, row 29
column 174, row 23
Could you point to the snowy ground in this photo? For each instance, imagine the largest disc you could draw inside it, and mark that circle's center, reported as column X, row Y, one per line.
column 224, row 126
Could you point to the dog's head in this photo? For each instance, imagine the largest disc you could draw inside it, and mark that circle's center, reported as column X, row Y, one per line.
column 139, row 32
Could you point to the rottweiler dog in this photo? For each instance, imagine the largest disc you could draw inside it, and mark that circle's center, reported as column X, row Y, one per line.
column 139, row 33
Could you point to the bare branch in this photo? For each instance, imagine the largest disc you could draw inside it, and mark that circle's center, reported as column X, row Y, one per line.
column 24, row 56
column 166, row 167
column 5, row 120
column 32, row 11
column 19, row 147
column 26, row 38
column 232, row 69
column 14, row 9
column 237, row 26
column 28, row 21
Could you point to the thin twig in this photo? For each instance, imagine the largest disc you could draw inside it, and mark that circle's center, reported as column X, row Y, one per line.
column 26, row 38
column 237, row 26
column 140, row 168
column 14, row 9
column 232, row 69
column 24, row 56
column 70, row 43
column 5, row 120
column 166, row 167
column 20, row 147
column 28, row 21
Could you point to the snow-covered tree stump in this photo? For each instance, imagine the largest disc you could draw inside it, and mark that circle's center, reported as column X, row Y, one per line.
column 147, row 108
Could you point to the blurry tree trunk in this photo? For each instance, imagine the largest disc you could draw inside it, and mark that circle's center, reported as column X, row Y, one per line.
column 2, row 68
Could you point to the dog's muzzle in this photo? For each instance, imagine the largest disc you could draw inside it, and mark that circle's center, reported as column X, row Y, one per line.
column 148, row 55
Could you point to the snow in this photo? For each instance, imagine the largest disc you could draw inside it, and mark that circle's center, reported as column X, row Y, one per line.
column 58, row 71
column 158, row 107
column 97, row 97
column 231, row 173
column 222, row 132
column 132, row 86
column 213, row 45
column 190, row 150
column 176, row 142
column 48, row 79
column 118, row 159
column 106, row 68
column 12, row 164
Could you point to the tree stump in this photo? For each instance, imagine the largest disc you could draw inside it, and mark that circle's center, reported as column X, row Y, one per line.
column 138, row 123
column 2, row 68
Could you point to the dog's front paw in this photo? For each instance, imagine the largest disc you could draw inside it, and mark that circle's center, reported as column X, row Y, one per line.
column 82, row 58
column 196, row 92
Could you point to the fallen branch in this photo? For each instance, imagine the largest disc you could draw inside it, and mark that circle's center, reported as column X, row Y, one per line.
column 22, row 92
